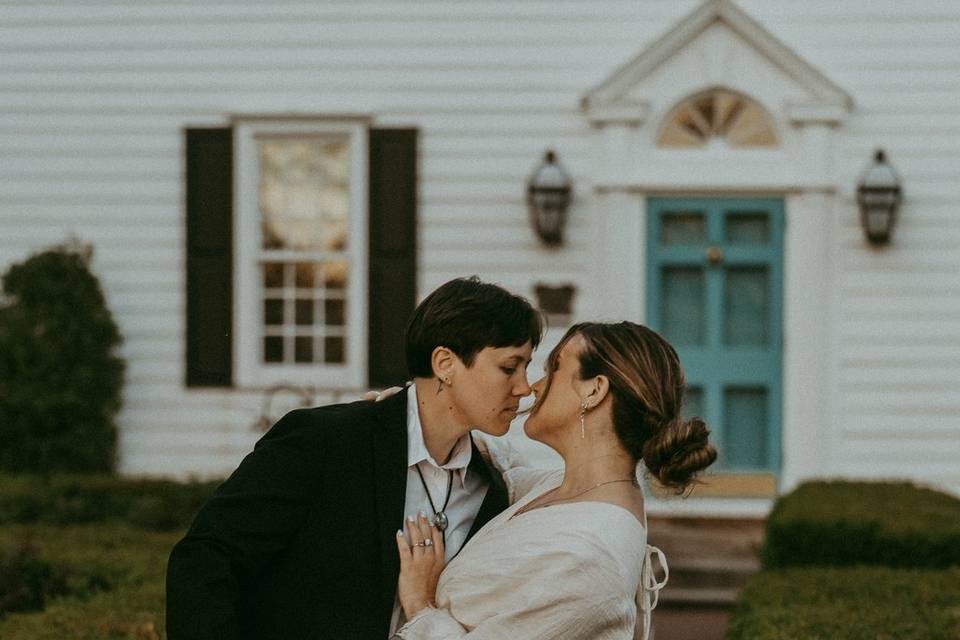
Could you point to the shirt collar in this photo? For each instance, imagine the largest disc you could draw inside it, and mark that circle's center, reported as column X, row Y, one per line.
column 417, row 448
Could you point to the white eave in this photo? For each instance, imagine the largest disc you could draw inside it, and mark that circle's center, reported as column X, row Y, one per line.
column 606, row 102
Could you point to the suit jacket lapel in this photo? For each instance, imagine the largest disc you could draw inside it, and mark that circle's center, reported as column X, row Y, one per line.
column 390, row 460
column 496, row 499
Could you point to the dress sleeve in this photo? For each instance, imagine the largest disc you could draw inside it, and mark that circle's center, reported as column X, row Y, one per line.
column 574, row 594
column 520, row 470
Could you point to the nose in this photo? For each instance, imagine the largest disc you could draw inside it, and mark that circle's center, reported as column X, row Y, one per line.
column 522, row 388
column 538, row 385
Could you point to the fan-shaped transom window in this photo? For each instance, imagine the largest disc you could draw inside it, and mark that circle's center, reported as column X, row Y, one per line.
column 721, row 114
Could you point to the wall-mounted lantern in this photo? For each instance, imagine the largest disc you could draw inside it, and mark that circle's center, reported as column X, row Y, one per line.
column 549, row 192
column 879, row 195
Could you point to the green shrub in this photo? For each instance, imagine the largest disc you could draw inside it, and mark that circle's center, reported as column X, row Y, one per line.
column 850, row 603
column 837, row 523
column 27, row 581
column 60, row 379
column 160, row 505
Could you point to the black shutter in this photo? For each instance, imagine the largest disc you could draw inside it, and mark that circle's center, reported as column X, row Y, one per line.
column 209, row 190
column 393, row 251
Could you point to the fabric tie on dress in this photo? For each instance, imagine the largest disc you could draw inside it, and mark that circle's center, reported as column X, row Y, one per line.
column 649, row 594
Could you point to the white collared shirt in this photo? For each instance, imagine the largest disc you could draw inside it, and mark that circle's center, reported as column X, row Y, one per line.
column 466, row 492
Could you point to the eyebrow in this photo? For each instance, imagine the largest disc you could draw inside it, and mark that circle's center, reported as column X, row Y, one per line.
column 520, row 359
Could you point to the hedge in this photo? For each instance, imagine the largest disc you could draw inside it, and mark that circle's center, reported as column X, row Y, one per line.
column 114, row 582
column 837, row 523
column 67, row 499
column 852, row 603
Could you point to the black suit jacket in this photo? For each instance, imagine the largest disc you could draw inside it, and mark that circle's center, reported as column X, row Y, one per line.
column 300, row 541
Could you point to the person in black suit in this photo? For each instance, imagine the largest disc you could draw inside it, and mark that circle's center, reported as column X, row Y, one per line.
column 300, row 541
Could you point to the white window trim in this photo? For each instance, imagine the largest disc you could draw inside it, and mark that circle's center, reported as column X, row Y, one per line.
column 248, row 285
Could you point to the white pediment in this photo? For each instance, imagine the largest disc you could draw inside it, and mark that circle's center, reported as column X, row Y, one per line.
column 718, row 45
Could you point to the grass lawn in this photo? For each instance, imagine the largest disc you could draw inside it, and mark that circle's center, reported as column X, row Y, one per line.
column 112, row 575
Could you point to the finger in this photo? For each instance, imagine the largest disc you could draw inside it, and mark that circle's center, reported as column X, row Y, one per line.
column 413, row 533
column 403, row 548
column 423, row 526
column 386, row 393
column 371, row 395
column 438, row 547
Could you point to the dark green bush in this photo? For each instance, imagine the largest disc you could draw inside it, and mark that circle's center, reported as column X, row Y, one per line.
column 894, row 524
column 160, row 505
column 26, row 581
column 850, row 603
column 60, row 378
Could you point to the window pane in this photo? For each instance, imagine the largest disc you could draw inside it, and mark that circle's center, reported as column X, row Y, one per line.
column 273, row 349
column 683, row 229
column 304, row 192
column 273, row 311
column 304, row 312
column 333, row 350
column 273, row 275
column 334, row 313
column 305, row 275
column 745, row 428
column 746, row 301
column 693, row 402
column 684, row 312
column 303, row 349
column 335, row 274
column 748, row 228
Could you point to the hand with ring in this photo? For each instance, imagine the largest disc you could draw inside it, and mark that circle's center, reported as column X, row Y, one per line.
column 421, row 560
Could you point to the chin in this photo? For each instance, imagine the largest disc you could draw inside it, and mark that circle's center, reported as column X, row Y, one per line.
column 531, row 433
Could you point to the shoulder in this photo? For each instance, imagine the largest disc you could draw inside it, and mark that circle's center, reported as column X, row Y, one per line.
column 314, row 423
column 599, row 532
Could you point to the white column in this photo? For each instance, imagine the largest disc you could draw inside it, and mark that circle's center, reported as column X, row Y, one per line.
column 808, row 369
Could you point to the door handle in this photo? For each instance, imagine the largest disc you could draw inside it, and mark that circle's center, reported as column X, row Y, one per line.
column 714, row 255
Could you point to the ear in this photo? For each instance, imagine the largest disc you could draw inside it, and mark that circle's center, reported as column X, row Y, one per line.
column 443, row 361
column 598, row 388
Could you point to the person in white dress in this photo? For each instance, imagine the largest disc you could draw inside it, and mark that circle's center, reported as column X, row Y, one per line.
column 569, row 558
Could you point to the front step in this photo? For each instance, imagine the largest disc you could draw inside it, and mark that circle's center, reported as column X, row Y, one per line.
column 710, row 559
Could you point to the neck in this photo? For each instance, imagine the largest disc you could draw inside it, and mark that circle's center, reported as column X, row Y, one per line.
column 598, row 458
column 442, row 427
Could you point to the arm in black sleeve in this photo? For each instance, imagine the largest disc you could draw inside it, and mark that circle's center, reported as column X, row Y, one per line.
column 251, row 517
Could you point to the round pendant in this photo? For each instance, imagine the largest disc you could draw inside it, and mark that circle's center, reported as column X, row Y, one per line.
column 440, row 521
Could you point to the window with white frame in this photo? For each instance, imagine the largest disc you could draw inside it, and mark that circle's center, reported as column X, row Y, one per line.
column 301, row 263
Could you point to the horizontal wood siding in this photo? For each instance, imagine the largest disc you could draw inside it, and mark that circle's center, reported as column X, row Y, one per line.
column 94, row 97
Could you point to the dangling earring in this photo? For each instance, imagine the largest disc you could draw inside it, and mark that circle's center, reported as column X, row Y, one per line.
column 583, row 412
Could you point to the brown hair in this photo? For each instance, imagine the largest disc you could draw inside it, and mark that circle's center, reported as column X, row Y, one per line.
column 647, row 386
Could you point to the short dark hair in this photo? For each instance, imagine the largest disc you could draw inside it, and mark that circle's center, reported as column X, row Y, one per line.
column 467, row 315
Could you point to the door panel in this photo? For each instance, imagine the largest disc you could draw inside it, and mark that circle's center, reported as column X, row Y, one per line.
column 714, row 291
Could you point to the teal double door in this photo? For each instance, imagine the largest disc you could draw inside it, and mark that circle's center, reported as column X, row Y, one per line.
column 714, row 290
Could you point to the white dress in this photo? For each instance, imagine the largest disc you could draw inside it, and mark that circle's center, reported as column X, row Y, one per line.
column 577, row 570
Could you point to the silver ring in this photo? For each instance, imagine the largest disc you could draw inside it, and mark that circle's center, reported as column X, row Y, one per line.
column 428, row 542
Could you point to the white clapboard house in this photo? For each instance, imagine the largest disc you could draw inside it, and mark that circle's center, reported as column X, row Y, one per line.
column 271, row 187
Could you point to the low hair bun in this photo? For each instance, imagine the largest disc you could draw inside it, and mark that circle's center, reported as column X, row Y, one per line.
column 678, row 451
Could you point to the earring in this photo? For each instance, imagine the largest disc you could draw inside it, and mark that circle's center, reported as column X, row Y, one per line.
column 583, row 412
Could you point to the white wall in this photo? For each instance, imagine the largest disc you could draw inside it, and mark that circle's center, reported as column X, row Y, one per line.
column 93, row 97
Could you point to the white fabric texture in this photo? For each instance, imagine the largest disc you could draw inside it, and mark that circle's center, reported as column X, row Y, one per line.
column 574, row 570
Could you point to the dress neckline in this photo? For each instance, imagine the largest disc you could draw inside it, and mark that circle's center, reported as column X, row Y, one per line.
column 582, row 502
